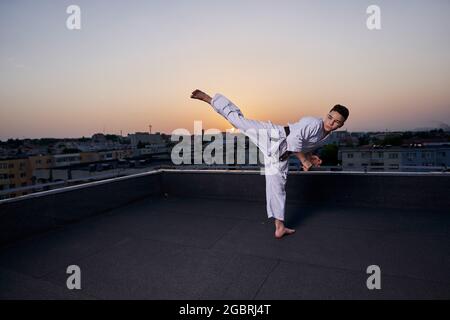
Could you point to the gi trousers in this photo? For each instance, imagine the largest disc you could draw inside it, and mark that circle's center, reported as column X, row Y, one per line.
column 271, row 140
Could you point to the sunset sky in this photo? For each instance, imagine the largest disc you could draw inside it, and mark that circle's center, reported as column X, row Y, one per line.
column 135, row 63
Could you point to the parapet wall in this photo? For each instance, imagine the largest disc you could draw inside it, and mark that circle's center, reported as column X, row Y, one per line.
column 35, row 213
column 380, row 190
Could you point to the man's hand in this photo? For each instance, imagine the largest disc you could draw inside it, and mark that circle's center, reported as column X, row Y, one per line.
column 200, row 95
column 310, row 161
column 306, row 164
column 315, row 160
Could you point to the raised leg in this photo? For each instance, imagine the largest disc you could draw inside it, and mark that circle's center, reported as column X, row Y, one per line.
column 261, row 133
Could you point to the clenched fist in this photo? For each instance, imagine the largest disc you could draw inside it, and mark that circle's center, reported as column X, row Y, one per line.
column 311, row 161
column 315, row 160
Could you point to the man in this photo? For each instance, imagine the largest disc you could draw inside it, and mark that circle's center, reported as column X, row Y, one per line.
column 277, row 143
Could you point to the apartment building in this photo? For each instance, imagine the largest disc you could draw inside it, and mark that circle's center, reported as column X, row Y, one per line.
column 15, row 173
column 405, row 158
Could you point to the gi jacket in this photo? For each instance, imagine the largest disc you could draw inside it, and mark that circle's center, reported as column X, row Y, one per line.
column 306, row 135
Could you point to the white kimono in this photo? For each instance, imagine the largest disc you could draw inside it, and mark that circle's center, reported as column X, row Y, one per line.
column 305, row 135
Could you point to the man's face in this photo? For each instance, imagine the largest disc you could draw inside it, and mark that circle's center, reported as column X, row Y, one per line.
column 333, row 121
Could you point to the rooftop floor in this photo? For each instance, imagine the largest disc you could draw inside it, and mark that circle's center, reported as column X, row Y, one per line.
column 194, row 248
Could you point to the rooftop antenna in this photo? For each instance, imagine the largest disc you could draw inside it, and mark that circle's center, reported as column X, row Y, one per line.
column 150, row 128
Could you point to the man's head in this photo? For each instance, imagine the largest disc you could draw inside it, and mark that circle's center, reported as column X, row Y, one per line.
column 335, row 118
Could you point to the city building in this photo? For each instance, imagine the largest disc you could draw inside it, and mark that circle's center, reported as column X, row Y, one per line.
column 66, row 160
column 145, row 138
column 14, row 173
column 405, row 158
column 342, row 138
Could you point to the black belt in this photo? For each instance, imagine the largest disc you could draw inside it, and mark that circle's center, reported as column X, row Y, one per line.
column 286, row 154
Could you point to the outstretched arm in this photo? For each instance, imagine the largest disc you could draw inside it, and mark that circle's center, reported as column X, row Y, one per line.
column 200, row 95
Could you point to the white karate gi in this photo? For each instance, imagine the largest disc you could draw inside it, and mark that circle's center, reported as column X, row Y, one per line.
column 305, row 135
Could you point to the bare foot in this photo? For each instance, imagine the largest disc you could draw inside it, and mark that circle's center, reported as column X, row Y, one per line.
column 281, row 232
column 200, row 95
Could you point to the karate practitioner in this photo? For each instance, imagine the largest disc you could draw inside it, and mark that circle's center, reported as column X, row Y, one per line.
column 277, row 143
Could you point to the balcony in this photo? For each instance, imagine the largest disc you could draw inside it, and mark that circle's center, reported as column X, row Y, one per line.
column 187, row 234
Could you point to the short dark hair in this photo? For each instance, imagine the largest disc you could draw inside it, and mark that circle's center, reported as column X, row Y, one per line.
column 343, row 111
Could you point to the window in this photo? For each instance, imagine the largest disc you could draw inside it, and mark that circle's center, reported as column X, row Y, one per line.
column 11, row 165
column 12, row 185
column 11, row 176
column 393, row 155
column 410, row 156
column 23, row 184
column 426, row 155
column 349, row 155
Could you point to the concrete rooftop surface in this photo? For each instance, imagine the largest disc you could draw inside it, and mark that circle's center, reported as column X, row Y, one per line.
column 178, row 244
